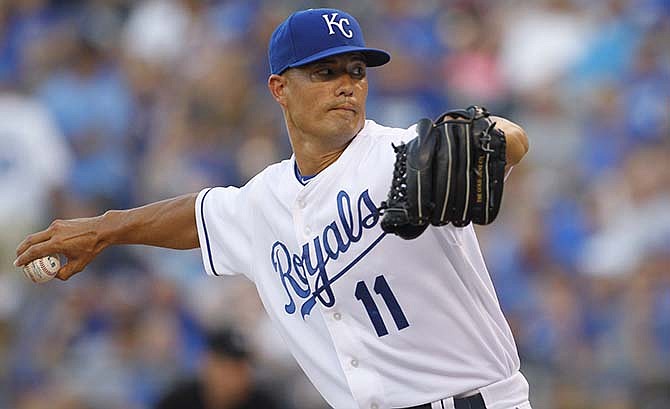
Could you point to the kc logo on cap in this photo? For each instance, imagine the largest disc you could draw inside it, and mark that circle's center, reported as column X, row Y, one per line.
column 339, row 24
column 310, row 35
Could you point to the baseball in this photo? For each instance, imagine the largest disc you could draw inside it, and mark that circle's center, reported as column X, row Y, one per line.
column 42, row 269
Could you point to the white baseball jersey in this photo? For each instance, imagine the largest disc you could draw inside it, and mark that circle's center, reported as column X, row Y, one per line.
column 375, row 321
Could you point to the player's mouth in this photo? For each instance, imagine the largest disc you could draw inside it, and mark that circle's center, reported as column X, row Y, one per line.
column 345, row 108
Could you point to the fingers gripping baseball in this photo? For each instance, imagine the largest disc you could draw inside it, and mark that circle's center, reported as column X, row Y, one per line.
column 78, row 240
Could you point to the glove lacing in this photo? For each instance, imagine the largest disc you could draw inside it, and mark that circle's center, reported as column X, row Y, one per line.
column 397, row 197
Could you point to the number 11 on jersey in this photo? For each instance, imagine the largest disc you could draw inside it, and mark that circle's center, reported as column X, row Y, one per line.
column 381, row 288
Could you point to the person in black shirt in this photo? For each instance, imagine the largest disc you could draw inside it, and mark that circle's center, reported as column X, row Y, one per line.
column 224, row 380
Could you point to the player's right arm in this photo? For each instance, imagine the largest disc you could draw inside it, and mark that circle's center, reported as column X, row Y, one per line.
column 169, row 223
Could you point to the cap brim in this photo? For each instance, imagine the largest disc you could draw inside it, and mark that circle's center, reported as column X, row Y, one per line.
column 373, row 57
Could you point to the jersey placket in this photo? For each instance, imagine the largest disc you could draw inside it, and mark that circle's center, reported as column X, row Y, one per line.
column 363, row 380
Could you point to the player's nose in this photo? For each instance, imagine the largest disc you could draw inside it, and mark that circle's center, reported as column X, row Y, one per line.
column 345, row 86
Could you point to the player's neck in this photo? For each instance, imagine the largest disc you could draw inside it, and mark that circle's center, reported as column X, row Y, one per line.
column 312, row 159
column 313, row 154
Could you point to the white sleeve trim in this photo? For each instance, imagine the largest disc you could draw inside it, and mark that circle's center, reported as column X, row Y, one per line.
column 203, row 237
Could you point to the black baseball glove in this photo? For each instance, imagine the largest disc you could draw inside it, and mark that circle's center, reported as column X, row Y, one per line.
column 452, row 172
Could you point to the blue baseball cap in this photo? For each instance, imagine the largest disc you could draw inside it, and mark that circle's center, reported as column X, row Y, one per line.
column 310, row 35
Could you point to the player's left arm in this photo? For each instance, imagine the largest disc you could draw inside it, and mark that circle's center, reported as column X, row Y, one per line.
column 516, row 140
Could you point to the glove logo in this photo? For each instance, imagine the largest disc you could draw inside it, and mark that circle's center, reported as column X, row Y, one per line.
column 479, row 183
column 339, row 24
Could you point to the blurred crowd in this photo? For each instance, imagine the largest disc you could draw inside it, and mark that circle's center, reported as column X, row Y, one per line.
column 116, row 103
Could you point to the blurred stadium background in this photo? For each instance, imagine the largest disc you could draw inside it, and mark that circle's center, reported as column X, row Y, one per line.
column 115, row 103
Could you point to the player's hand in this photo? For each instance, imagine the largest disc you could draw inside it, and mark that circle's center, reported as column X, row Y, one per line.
column 80, row 240
column 517, row 140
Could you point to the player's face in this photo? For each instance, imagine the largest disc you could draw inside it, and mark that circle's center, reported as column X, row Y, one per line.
column 327, row 98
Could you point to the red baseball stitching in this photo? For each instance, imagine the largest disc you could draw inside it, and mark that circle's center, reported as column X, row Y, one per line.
column 43, row 268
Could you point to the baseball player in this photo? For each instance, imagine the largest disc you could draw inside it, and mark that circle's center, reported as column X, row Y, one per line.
column 374, row 321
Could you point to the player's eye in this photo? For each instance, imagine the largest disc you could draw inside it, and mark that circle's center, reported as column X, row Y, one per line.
column 323, row 73
column 358, row 71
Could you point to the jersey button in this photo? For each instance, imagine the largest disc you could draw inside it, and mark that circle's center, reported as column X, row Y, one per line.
column 337, row 316
column 374, row 406
column 308, row 231
column 354, row 363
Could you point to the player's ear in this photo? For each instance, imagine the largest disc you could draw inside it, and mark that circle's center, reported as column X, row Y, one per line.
column 277, row 87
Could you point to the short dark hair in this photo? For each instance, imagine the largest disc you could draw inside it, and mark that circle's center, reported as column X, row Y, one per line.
column 227, row 342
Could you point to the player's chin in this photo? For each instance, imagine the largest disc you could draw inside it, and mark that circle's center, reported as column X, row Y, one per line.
column 346, row 118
